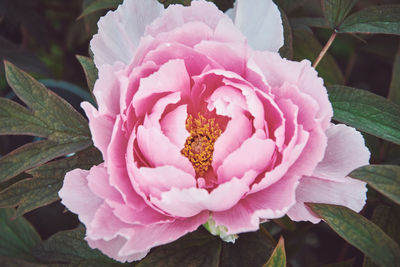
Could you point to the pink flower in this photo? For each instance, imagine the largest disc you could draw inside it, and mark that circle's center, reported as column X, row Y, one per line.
column 200, row 120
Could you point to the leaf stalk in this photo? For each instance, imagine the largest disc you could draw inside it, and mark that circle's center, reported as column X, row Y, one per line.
column 325, row 49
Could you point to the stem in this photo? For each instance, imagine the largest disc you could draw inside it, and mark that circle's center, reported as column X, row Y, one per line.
column 326, row 47
column 268, row 235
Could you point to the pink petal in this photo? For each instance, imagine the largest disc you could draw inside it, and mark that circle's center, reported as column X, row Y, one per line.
column 112, row 247
column 107, row 89
column 253, row 154
column 231, row 80
column 177, row 15
column 130, row 84
column 348, row 192
column 116, row 168
column 272, row 202
column 238, row 129
column 312, row 154
column 159, row 234
column 104, row 224
column 313, row 147
column 98, row 181
column 278, row 71
column 290, row 155
column 345, row 152
column 254, row 104
column 308, row 107
column 231, row 57
column 195, row 62
column 159, row 151
column 227, row 32
column 101, row 127
column 189, row 202
column 133, row 173
column 153, row 119
column 173, row 125
column 145, row 216
column 274, row 119
column 227, row 100
column 189, row 34
column 77, row 196
column 171, row 77
column 156, row 180
column 260, row 21
column 120, row 32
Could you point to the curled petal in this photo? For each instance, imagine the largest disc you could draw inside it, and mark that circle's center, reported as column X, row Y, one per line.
column 98, row 181
column 253, row 154
column 171, row 77
column 112, row 247
column 166, row 154
column 101, row 127
column 154, row 181
column 159, row 234
column 189, row 202
column 173, row 125
column 278, row 71
column 272, row 202
column 237, row 130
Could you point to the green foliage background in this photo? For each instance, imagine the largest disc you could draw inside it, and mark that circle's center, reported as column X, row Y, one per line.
column 40, row 126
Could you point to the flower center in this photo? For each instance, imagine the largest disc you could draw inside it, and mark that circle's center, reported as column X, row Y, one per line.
column 199, row 146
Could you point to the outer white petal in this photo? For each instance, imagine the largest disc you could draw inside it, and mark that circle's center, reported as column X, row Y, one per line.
column 260, row 21
column 345, row 152
column 120, row 31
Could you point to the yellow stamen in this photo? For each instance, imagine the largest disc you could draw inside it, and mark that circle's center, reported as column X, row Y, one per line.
column 199, row 146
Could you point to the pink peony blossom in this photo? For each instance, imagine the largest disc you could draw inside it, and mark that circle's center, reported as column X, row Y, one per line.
column 200, row 120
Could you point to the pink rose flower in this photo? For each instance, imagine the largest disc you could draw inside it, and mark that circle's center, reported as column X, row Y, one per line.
column 200, row 120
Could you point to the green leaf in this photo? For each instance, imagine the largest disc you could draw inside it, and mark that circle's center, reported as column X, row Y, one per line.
column 34, row 154
column 47, row 180
column 335, row 11
column 70, row 246
column 250, row 249
column 67, row 131
column 195, row 249
column 16, row 119
column 366, row 111
column 58, row 114
column 359, row 232
column 388, row 219
column 100, row 5
column 394, row 91
column 278, row 257
column 307, row 47
column 346, row 263
column 90, row 70
column 286, row 50
column 383, row 178
column 17, row 236
column 375, row 19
